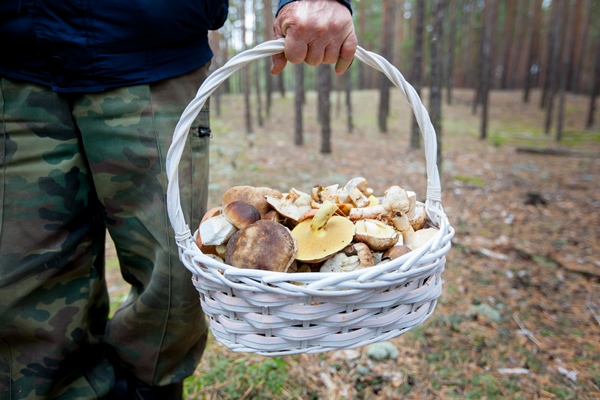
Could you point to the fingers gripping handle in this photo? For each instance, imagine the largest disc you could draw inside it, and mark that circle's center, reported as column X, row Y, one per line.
column 267, row 49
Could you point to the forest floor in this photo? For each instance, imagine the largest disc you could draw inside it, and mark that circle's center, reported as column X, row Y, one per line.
column 519, row 316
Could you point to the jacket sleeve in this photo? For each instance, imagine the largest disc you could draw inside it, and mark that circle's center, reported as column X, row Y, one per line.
column 221, row 15
column 282, row 3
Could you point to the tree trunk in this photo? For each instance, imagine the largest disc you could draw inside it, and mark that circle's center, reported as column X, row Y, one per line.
column 387, row 32
column 268, row 34
column 324, row 90
column 417, row 69
column 298, row 102
column 435, row 93
column 566, row 63
column 488, row 36
column 256, row 70
column 480, row 64
column 532, row 65
column 509, row 27
column 595, row 88
column 450, row 52
column 551, row 77
column 346, row 77
column 514, row 77
column 552, row 57
column 583, row 35
column 246, row 74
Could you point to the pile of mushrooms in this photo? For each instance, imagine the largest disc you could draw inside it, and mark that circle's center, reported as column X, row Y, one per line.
column 331, row 229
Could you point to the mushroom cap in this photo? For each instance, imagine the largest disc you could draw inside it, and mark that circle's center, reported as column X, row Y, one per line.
column 264, row 245
column 241, row 214
column 318, row 243
column 252, row 195
column 376, row 234
column 395, row 252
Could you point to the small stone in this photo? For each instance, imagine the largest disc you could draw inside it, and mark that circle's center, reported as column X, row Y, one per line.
column 382, row 351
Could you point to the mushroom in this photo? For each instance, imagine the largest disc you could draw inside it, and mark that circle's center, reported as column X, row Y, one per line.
column 341, row 263
column 216, row 230
column 252, row 195
column 354, row 192
column 323, row 235
column 419, row 218
column 241, row 214
column 378, row 235
column 362, row 250
column 293, row 205
column 264, row 245
column 395, row 202
column 395, row 252
column 413, row 239
column 207, row 249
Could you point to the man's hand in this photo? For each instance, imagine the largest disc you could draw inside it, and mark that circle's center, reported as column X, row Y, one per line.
column 316, row 32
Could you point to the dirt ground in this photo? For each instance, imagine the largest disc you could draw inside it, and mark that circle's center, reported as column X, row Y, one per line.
column 520, row 313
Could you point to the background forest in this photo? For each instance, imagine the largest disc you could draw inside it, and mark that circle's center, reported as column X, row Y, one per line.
column 510, row 87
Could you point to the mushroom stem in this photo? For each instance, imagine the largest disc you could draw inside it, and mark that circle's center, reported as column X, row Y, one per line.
column 319, row 221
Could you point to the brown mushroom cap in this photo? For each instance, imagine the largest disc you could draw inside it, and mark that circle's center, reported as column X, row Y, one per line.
column 241, row 214
column 322, row 236
column 252, row 195
column 264, row 245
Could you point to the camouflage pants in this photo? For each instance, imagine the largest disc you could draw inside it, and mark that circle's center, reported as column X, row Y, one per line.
column 73, row 166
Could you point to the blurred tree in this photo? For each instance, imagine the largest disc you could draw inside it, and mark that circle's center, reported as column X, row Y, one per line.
column 324, row 105
column 387, row 32
column 299, row 103
column 437, row 57
column 417, row 69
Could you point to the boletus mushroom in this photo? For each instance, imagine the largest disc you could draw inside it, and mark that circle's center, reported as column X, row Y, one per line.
column 323, row 235
column 378, row 235
column 264, row 245
column 252, row 195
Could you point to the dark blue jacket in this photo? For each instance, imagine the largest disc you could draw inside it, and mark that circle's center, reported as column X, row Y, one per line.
column 94, row 45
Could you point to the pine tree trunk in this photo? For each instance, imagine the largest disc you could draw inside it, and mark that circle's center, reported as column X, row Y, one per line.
column 553, row 47
column 346, row 77
column 246, row 76
column 509, row 27
column 437, row 57
column 532, row 65
column 256, row 70
column 268, row 35
column 324, row 90
column 450, row 52
column 298, row 102
column 582, row 36
column 386, row 52
column 595, row 88
column 553, row 66
column 417, row 69
column 488, row 33
column 566, row 63
column 518, row 46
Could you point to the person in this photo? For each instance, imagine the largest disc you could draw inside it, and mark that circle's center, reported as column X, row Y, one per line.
column 90, row 93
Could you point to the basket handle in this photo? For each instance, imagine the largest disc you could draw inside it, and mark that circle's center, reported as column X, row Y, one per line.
column 266, row 49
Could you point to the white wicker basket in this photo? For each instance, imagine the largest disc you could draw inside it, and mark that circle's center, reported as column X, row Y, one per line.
column 272, row 313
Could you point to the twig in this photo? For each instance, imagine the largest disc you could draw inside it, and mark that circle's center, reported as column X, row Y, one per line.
column 526, row 331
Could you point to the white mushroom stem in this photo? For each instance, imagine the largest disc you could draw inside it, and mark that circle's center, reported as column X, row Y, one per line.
column 412, row 239
column 216, row 230
column 364, row 254
column 323, row 214
column 354, row 192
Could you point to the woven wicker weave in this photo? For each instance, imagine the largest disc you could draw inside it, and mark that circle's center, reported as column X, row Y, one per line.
column 272, row 313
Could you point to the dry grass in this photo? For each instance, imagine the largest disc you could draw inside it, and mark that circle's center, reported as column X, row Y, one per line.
column 519, row 316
